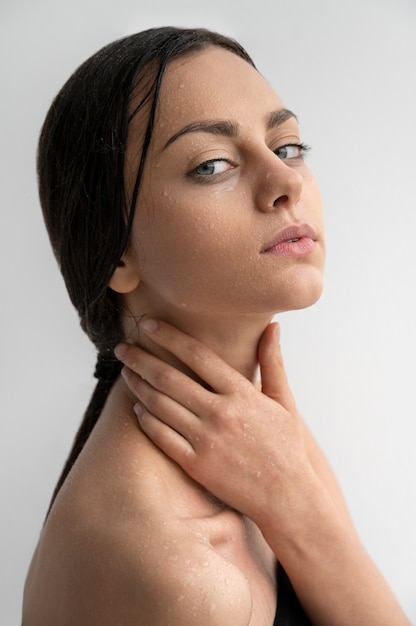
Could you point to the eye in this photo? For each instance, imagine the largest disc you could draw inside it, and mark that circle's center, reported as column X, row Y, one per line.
column 212, row 167
column 292, row 151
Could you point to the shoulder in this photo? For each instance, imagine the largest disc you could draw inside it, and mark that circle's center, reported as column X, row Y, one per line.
column 112, row 552
column 145, row 573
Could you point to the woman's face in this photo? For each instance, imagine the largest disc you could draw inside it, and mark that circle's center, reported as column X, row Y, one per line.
column 223, row 179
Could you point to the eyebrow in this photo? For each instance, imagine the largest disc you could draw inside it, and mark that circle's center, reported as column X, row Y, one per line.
column 227, row 128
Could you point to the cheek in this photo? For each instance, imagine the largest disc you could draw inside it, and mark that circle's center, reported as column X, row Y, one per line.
column 190, row 225
column 314, row 195
column 170, row 241
column 193, row 246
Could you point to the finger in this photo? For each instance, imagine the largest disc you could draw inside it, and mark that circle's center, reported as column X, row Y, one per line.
column 200, row 359
column 165, row 438
column 163, row 407
column 273, row 374
column 163, row 377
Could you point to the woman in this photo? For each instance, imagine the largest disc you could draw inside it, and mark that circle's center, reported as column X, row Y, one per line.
column 184, row 217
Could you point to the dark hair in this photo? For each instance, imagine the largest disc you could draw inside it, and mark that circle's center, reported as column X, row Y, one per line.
column 87, row 209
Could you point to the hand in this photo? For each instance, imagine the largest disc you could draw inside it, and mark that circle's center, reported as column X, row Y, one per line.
column 243, row 445
column 246, row 447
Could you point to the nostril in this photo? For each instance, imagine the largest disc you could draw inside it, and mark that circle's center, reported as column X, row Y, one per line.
column 281, row 200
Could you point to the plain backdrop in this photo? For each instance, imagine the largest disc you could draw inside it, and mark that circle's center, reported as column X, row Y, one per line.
column 348, row 70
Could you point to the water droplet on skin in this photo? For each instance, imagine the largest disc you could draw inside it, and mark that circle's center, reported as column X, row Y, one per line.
column 172, row 557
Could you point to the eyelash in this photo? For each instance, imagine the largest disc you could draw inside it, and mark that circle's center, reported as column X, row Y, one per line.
column 302, row 147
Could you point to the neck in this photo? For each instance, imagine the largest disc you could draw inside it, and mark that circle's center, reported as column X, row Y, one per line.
column 234, row 339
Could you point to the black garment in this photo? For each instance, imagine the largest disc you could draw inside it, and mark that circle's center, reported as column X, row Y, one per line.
column 289, row 611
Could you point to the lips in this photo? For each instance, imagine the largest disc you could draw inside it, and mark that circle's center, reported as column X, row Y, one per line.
column 291, row 235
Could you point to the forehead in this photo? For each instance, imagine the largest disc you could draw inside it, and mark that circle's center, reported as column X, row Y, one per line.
column 212, row 84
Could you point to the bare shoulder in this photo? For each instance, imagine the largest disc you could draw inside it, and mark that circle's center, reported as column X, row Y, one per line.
column 121, row 546
column 154, row 574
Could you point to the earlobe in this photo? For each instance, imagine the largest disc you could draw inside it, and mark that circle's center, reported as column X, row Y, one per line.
column 125, row 279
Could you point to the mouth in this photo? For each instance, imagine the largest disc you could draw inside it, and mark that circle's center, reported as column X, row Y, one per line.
column 292, row 240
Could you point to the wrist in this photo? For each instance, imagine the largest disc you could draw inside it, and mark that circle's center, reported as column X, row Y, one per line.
column 302, row 518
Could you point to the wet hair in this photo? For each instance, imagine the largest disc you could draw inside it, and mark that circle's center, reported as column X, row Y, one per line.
column 81, row 158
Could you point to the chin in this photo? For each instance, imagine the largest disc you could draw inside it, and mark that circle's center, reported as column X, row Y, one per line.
column 307, row 301
column 304, row 291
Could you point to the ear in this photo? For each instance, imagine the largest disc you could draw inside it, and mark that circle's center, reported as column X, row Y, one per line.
column 125, row 278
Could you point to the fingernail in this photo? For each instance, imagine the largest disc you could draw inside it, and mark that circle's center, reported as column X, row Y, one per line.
column 121, row 350
column 126, row 372
column 149, row 325
column 138, row 409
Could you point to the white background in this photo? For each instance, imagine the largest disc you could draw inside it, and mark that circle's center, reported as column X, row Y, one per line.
column 348, row 70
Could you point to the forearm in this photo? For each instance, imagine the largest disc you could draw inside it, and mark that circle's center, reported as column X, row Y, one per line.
column 280, row 479
column 333, row 576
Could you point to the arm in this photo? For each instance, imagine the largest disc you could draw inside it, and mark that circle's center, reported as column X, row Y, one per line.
column 179, row 581
column 259, row 439
column 161, row 575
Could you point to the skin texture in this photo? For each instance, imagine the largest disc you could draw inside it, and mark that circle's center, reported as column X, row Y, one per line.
column 195, row 255
column 178, row 513
column 280, row 479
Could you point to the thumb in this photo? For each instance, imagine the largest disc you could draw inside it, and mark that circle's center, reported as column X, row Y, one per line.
column 274, row 381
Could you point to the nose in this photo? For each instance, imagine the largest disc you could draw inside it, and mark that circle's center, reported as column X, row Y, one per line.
column 278, row 184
